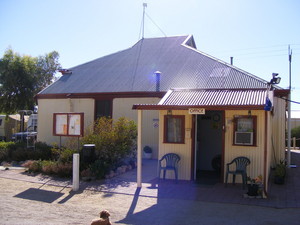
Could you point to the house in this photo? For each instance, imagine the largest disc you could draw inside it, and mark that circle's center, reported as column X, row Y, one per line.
column 184, row 101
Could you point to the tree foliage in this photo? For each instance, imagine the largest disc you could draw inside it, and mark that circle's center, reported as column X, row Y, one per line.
column 22, row 77
column 295, row 132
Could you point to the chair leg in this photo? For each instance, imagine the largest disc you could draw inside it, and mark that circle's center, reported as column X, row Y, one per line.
column 244, row 180
column 233, row 178
column 164, row 174
column 176, row 174
column 226, row 180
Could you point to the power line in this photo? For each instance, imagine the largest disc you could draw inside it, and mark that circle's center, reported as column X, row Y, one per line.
column 289, row 100
column 258, row 48
column 156, row 25
column 142, row 29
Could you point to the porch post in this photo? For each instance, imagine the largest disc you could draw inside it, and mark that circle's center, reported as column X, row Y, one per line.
column 139, row 149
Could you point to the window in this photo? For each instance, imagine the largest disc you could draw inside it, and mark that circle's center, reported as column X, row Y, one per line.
column 174, row 129
column 245, row 130
column 103, row 108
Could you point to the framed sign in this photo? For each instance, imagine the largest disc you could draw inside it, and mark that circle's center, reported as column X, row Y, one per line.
column 200, row 111
column 68, row 124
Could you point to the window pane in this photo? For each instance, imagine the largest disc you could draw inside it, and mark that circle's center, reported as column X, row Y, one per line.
column 103, row 108
column 245, row 124
column 174, row 129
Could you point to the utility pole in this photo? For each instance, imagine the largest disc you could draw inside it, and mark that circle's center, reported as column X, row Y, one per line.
column 289, row 111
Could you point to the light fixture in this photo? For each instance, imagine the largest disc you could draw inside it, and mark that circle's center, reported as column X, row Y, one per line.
column 169, row 112
column 249, row 113
column 275, row 79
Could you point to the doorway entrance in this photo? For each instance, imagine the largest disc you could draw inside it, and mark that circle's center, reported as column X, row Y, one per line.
column 209, row 147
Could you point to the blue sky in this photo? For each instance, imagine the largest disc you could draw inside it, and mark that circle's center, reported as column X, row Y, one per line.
column 256, row 33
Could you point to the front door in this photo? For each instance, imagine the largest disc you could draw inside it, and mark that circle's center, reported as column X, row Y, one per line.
column 209, row 147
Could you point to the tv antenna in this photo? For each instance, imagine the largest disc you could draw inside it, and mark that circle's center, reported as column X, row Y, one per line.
column 143, row 25
column 142, row 29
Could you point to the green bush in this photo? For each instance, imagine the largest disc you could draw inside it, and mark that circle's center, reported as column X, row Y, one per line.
column 42, row 151
column 63, row 154
column 5, row 150
column 99, row 169
column 114, row 140
column 18, row 151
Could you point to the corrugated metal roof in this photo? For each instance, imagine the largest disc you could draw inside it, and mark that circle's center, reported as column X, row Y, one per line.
column 215, row 97
column 132, row 70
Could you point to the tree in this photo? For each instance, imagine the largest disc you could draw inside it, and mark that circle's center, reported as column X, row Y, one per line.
column 295, row 132
column 22, row 77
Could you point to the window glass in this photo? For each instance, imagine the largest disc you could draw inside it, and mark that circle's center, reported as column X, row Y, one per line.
column 245, row 124
column 245, row 131
column 174, row 129
column 103, row 108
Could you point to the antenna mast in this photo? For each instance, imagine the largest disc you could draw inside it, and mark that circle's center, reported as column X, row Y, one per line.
column 144, row 6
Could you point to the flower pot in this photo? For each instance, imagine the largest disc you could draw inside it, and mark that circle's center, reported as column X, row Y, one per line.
column 147, row 155
column 252, row 189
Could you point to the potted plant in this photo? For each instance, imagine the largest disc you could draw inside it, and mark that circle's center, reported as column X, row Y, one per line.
column 254, row 186
column 147, row 152
column 280, row 172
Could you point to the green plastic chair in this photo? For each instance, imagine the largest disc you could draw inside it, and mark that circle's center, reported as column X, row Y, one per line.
column 169, row 162
column 241, row 164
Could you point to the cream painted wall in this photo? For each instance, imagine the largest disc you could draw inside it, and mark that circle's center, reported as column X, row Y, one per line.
column 122, row 107
column 264, row 146
column 278, row 120
column 183, row 150
column 49, row 106
column 255, row 154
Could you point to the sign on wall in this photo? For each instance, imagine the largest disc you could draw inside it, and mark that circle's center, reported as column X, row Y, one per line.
column 68, row 124
column 197, row 111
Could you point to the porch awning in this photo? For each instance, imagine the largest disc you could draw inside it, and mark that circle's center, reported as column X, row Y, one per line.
column 221, row 99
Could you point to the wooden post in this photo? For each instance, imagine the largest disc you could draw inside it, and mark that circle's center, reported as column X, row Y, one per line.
column 139, row 149
column 75, row 172
column 294, row 143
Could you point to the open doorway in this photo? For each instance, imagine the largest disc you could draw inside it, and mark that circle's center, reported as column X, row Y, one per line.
column 209, row 147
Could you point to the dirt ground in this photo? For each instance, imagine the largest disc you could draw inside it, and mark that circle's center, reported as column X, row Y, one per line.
column 32, row 203
column 37, row 201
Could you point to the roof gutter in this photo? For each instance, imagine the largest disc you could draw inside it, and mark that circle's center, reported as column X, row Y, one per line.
column 186, row 107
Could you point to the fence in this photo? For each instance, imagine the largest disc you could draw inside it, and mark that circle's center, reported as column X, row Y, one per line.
column 294, row 143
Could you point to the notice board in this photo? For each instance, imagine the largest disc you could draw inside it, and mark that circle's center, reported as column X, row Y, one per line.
column 68, row 124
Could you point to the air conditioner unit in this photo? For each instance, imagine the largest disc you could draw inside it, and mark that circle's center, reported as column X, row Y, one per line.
column 243, row 138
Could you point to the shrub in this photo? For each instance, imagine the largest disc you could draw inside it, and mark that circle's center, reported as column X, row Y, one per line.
column 33, row 165
column 62, row 154
column 63, row 169
column 99, row 168
column 18, row 151
column 49, row 167
column 114, row 140
column 42, row 151
column 5, row 150
column 19, row 155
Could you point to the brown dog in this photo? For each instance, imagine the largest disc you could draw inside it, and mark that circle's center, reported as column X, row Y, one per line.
column 104, row 219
